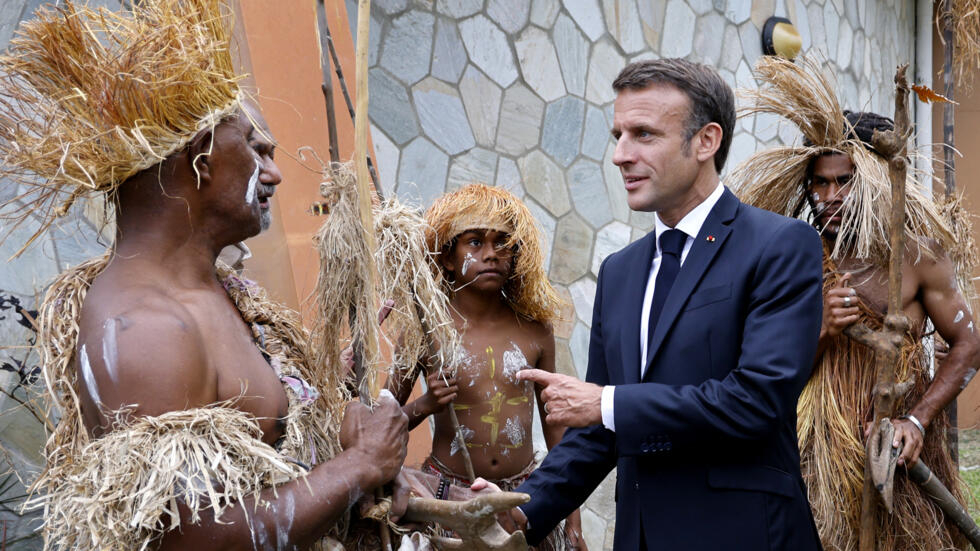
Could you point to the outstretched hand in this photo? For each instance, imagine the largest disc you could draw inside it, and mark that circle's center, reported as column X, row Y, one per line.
column 511, row 520
column 567, row 401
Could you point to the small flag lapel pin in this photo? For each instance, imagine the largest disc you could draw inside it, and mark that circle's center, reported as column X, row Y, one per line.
column 710, row 239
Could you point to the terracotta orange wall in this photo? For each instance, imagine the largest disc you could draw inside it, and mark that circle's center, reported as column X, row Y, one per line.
column 281, row 52
column 967, row 120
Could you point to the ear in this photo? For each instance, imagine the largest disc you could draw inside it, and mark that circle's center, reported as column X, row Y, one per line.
column 707, row 141
column 198, row 155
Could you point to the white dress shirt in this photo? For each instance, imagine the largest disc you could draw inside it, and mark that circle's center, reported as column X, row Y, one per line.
column 690, row 225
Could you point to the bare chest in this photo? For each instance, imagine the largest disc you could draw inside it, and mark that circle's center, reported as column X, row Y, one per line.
column 871, row 285
column 242, row 373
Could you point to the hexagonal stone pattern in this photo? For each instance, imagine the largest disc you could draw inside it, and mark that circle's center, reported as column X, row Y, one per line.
column 623, row 24
column 481, row 97
column 448, row 56
column 442, row 116
column 573, row 245
column 389, row 102
column 605, row 64
column 588, row 192
column 476, row 166
column 708, row 38
column 408, row 46
column 543, row 12
column 511, row 15
column 579, row 343
column 583, row 297
column 539, row 64
column 678, row 34
column 587, row 15
column 520, row 120
column 573, row 54
column 488, row 48
column 547, row 223
column 615, row 189
column 596, row 135
column 422, row 172
column 608, row 240
column 458, row 8
column 544, row 181
column 386, row 155
column 563, row 121
column 509, row 177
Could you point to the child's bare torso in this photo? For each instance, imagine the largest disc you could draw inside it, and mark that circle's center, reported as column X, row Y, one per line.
column 495, row 411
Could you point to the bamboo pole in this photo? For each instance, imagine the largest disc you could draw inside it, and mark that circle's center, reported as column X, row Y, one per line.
column 367, row 350
column 949, row 168
column 893, row 146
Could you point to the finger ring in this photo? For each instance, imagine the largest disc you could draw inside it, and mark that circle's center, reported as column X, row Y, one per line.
column 847, row 302
column 546, row 412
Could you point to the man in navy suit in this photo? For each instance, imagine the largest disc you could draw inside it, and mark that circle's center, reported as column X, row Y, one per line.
column 703, row 335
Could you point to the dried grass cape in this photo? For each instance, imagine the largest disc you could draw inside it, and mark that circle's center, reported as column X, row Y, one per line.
column 420, row 317
column 966, row 38
column 478, row 206
column 837, row 401
column 88, row 98
column 120, row 492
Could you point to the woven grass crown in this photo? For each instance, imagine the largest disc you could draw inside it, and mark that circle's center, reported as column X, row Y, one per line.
column 90, row 97
column 775, row 179
column 478, row 206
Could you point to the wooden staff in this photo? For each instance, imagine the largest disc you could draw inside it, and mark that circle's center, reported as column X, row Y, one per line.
column 366, row 350
column 949, row 168
column 887, row 342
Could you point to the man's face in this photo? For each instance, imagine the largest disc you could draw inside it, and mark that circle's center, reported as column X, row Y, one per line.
column 655, row 159
column 243, row 168
column 828, row 190
column 480, row 258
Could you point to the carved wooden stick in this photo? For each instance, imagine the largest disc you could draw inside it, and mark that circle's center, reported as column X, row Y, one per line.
column 892, row 145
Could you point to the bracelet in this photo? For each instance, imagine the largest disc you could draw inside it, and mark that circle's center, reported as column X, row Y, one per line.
column 916, row 422
column 443, row 491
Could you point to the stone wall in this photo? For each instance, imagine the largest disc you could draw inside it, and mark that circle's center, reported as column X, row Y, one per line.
column 516, row 93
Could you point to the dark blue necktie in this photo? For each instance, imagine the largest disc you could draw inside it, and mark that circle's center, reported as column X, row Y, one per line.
column 671, row 244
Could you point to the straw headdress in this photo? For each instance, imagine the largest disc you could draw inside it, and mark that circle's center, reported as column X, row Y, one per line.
column 478, row 206
column 775, row 179
column 90, row 97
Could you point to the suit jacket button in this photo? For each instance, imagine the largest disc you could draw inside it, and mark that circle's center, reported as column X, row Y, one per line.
column 645, row 448
column 636, row 485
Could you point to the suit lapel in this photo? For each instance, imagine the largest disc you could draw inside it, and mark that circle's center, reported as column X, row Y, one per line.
column 636, row 284
column 702, row 253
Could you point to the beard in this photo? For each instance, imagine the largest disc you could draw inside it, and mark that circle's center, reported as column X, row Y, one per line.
column 265, row 219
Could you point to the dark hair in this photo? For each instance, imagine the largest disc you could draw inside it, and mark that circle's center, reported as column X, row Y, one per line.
column 711, row 98
column 862, row 125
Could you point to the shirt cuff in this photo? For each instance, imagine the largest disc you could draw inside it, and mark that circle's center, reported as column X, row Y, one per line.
column 606, row 405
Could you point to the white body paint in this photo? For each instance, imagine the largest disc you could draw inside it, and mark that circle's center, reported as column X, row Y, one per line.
column 959, row 316
column 514, row 361
column 110, row 353
column 284, row 521
column 88, row 376
column 468, row 435
column 468, row 261
column 252, row 181
column 970, row 326
column 968, row 377
column 514, row 431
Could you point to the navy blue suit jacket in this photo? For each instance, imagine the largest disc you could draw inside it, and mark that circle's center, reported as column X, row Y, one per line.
column 705, row 444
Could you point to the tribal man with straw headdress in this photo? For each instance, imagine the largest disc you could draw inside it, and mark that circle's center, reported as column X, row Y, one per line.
column 840, row 183
column 188, row 417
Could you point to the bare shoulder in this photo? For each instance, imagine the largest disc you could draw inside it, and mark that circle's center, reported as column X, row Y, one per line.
column 932, row 266
column 139, row 346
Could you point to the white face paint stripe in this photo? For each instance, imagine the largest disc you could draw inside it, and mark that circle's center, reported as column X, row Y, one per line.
column 254, row 179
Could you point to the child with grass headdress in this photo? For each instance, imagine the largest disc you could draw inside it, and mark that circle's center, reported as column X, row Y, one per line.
column 491, row 256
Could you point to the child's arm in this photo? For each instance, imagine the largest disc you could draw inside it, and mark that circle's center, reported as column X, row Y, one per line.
column 552, row 435
column 441, row 391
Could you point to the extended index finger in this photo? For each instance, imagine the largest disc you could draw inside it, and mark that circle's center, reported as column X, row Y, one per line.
column 537, row 375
